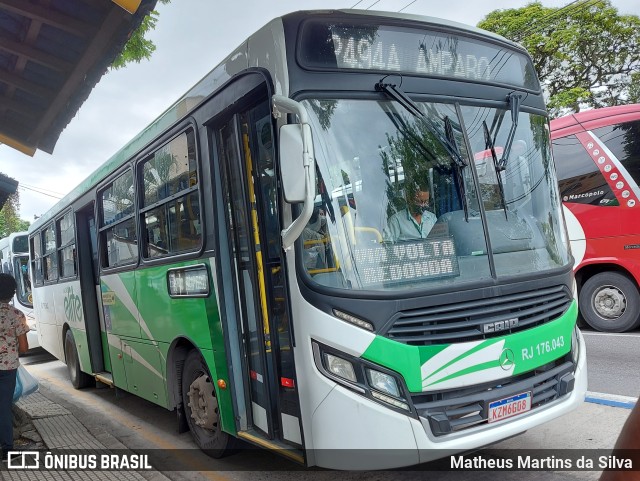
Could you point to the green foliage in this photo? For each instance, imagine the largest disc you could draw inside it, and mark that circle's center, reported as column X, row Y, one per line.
column 138, row 47
column 586, row 55
column 324, row 111
column 634, row 88
column 10, row 220
column 416, row 150
column 572, row 97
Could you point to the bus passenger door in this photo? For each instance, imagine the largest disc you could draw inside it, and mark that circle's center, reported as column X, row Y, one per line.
column 244, row 146
column 90, row 288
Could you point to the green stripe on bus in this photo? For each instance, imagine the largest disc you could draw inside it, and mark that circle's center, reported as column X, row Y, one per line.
column 531, row 348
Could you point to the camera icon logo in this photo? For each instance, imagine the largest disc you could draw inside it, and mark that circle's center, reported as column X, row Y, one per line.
column 23, row 460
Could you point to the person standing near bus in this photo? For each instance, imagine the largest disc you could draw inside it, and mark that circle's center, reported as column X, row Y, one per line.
column 13, row 340
column 24, row 270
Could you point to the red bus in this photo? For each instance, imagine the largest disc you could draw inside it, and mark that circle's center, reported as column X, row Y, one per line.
column 597, row 155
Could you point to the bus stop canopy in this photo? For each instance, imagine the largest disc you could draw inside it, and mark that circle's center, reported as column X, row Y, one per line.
column 52, row 54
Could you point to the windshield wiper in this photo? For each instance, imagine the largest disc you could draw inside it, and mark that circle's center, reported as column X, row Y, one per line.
column 513, row 101
column 403, row 99
column 448, row 142
column 451, row 141
column 496, row 165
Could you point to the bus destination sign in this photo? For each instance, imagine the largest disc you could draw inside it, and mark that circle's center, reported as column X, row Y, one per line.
column 407, row 262
column 413, row 51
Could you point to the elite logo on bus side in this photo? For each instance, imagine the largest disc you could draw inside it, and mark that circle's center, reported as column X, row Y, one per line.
column 433, row 368
column 72, row 305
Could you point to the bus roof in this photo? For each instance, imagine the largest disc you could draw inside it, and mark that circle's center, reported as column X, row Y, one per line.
column 238, row 60
column 593, row 119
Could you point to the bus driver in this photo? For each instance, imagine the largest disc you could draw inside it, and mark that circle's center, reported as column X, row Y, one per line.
column 414, row 222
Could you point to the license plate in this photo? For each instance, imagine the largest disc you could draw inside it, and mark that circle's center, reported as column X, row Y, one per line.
column 510, row 406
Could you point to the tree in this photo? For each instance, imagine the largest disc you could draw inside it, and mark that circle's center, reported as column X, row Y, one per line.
column 585, row 53
column 634, row 88
column 138, row 47
column 10, row 220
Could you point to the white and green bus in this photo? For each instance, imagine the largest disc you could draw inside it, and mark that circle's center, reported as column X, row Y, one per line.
column 232, row 262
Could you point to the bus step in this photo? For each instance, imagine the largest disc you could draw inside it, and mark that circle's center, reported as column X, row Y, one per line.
column 105, row 378
column 278, row 447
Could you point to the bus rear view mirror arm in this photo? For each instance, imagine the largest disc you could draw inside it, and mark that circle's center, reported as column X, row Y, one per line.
column 296, row 162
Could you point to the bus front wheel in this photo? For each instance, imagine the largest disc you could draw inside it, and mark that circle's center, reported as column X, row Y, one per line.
column 610, row 302
column 201, row 407
column 78, row 378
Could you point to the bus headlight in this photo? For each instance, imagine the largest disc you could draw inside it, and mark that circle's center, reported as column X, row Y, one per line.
column 340, row 367
column 364, row 377
column 382, row 382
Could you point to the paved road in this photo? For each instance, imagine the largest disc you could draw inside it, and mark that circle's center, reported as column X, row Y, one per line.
column 139, row 424
column 613, row 363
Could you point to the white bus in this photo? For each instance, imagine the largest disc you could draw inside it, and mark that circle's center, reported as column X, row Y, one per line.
column 14, row 260
column 179, row 270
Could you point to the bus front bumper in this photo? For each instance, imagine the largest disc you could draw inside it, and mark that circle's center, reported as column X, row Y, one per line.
column 352, row 432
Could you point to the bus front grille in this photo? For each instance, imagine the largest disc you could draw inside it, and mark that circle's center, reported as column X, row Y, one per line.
column 454, row 410
column 479, row 319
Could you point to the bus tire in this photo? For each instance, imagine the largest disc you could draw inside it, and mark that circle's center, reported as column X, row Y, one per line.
column 78, row 378
column 201, row 408
column 610, row 302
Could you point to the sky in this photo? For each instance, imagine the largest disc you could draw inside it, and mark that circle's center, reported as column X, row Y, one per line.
column 191, row 36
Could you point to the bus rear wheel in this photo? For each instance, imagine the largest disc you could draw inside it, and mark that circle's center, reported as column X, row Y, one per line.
column 78, row 378
column 610, row 302
column 201, row 408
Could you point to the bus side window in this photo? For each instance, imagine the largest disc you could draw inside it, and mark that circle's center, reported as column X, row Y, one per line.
column 578, row 174
column 50, row 254
column 67, row 250
column 36, row 258
column 117, row 224
column 171, row 199
column 623, row 140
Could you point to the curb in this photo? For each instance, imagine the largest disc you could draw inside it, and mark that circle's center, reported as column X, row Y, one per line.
column 612, row 400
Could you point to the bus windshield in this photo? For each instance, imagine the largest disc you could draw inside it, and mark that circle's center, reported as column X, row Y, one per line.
column 405, row 201
column 20, row 244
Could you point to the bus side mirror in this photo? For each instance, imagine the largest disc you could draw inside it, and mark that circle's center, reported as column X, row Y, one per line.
column 292, row 163
column 297, row 165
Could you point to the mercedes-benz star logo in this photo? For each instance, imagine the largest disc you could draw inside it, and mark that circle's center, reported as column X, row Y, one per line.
column 507, row 359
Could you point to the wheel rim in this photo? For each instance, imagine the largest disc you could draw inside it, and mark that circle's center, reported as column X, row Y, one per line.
column 203, row 403
column 609, row 302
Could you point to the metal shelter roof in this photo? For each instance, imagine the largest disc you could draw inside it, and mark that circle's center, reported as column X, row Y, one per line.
column 52, row 54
